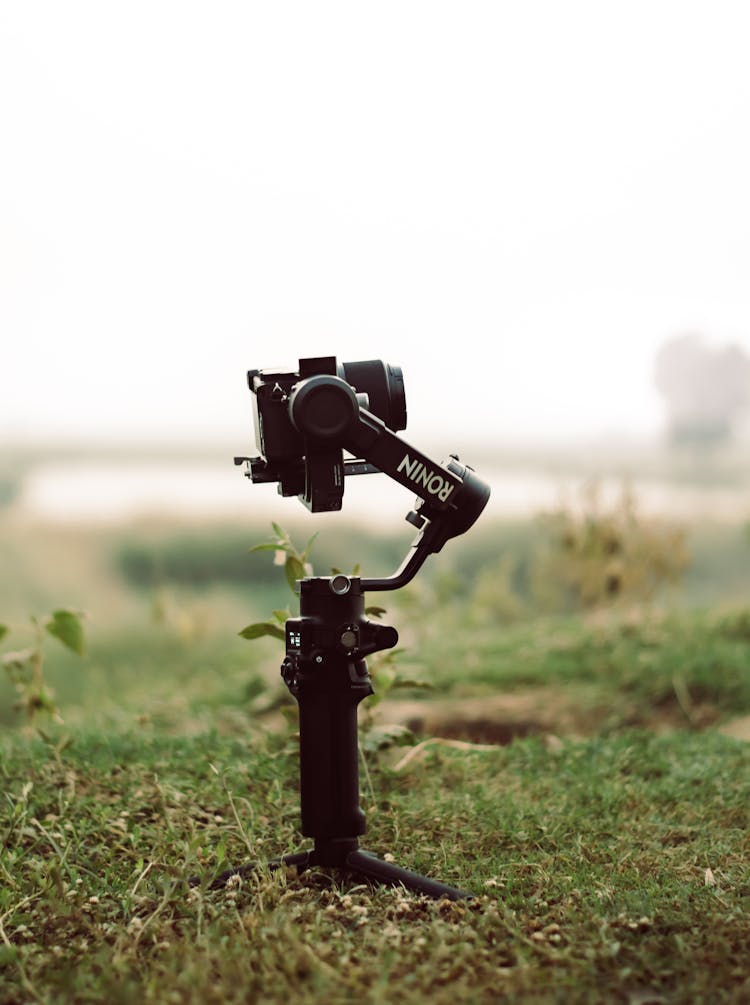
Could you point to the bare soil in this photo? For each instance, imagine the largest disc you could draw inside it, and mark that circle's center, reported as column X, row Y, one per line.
column 502, row 718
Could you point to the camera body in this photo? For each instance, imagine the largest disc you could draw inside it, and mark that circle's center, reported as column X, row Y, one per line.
column 301, row 418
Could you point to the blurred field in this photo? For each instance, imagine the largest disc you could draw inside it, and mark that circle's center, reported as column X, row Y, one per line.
column 164, row 601
column 550, row 739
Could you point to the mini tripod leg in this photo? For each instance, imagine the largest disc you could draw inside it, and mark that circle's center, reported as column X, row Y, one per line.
column 346, row 856
column 367, row 864
column 299, row 860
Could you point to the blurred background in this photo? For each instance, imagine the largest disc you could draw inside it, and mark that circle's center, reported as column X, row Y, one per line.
column 539, row 211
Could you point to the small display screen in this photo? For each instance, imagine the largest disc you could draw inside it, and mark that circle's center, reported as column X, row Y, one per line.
column 294, row 638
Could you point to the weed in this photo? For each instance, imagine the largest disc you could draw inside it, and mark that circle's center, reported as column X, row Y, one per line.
column 25, row 667
column 599, row 555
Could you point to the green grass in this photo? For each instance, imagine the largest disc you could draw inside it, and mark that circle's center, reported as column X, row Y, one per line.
column 186, row 676
column 603, row 870
column 610, row 867
column 172, row 671
column 698, row 660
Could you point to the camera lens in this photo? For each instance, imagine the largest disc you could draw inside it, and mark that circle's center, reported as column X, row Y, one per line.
column 384, row 386
column 320, row 409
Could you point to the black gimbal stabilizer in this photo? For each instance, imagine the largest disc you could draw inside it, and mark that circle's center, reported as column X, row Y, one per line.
column 304, row 422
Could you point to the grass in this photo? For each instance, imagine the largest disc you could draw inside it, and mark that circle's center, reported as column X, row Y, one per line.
column 696, row 663
column 184, row 677
column 610, row 867
column 603, row 869
column 187, row 666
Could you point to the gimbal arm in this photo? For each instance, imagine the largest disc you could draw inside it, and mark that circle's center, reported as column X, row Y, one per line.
column 327, row 412
column 435, row 528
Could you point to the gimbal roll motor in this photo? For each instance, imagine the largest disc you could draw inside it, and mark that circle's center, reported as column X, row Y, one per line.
column 306, row 421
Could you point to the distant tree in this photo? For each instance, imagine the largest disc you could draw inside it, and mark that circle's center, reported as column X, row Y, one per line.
column 705, row 389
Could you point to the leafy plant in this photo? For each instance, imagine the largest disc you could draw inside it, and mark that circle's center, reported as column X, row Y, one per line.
column 601, row 554
column 297, row 565
column 25, row 667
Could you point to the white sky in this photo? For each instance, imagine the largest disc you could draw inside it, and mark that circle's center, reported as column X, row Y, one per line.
column 516, row 202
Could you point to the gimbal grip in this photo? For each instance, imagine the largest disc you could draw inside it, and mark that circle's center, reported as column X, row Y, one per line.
column 328, row 697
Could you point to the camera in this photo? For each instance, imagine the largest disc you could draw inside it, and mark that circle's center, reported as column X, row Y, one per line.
column 303, row 418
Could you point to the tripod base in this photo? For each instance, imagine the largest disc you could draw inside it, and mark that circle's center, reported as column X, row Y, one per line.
column 345, row 854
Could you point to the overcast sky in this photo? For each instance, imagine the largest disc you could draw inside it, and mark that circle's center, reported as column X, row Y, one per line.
column 516, row 202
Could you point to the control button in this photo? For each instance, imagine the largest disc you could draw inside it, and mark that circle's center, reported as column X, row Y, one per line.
column 348, row 638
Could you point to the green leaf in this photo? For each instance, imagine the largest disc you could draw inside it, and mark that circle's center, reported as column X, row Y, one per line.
column 384, row 679
column 294, row 570
column 261, row 628
column 67, row 626
column 375, row 611
column 308, row 547
column 381, row 737
column 282, row 616
column 268, row 546
column 280, row 534
column 3, row 631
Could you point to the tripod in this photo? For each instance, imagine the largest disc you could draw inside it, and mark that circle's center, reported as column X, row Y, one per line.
column 326, row 672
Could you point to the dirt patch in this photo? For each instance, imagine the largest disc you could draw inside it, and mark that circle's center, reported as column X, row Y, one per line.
column 739, row 729
column 497, row 719
column 502, row 718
